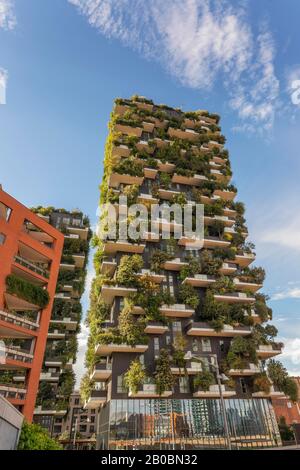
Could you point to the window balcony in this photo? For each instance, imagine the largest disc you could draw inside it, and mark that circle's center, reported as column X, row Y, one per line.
column 195, row 180
column 225, row 194
column 128, row 130
column 28, row 265
column 14, row 354
column 120, row 151
column 108, row 293
column 150, row 173
column 220, row 176
column 112, row 247
column 168, row 194
column 108, row 266
column 166, row 167
column 56, row 334
column 158, row 278
column 250, row 369
column 246, row 286
column 210, row 220
column 149, row 391
column 53, row 361
column 148, row 126
column 160, row 143
column 12, row 393
column 155, row 328
column 228, row 268
column 215, row 242
column 214, row 392
column 175, row 264
column 244, row 259
column 234, row 297
column 17, row 320
column 229, row 331
column 67, row 266
column 176, row 311
column 266, row 351
column 102, row 371
column 97, row 398
column 188, row 134
column 199, row 280
column 116, row 179
column 108, row 349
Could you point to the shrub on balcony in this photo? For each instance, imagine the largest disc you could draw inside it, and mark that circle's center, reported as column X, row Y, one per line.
column 242, row 351
column 163, row 376
column 188, row 295
column 210, row 264
column 204, row 380
column 132, row 192
column 179, row 199
column 128, row 268
column 261, row 309
column 165, row 180
column 286, row 432
column 178, row 347
column 27, row 291
column 262, row 383
column 86, row 386
column 256, row 275
column 135, row 376
column 193, row 267
column 158, row 259
column 129, row 167
column 131, row 329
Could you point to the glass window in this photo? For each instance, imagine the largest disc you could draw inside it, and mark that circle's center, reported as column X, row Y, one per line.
column 76, row 401
column 2, row 238
column 184, row 385
column 195, row 345
column 243, row 385
column 120, row 384
column 66, row 220
column 168, row 340
column 156, row 346
column 176, row 326
column 222, row 348
column 206, row 345
column 5, row 212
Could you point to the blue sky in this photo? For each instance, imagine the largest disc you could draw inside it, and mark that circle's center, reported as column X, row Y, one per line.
column 64, row 62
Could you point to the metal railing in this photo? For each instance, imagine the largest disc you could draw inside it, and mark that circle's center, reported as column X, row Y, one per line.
column 33, row 267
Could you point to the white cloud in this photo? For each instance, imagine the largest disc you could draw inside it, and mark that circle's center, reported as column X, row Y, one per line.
column 199, row 42
column 287, row 294
column 7, row 14
column 291, row 351
column 79, row 367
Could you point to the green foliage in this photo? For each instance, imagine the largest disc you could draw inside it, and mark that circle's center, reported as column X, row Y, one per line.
column 86, row 385
column 242, row 351
column 280, row 378
column 128, row 268
column 135, row 376
column 286, row 432
column 27, row 291
column 188, row 295
column 163, row 376
column 129, row 167
column 158, row 259
column 34, row 437
column 204, row 380
column 131, row 329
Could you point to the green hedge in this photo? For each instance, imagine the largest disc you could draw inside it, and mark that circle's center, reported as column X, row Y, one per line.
column 27, row 291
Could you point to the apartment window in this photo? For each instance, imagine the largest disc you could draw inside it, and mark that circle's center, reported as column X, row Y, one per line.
column 66, row 220
column 76, row 222
column 142, row 359
column 92, row 429
column 121, row 303
column 76, row 401
column 5, row 212
column 168, row 340
column 82, row 428
column 92, row 419
column 243, row 385
column 120, row 384
column 222, row 346
column 93, row 411
column 176, row 327
column 195, row 345
column 206, row 345
column 289, row 405
column 170, row 283
column 156, row 346
column 2, row 238
column 57, row 429
column 170, row 248
column 184, row 385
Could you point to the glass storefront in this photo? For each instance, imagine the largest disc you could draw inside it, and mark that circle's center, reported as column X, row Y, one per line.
column 166, row 424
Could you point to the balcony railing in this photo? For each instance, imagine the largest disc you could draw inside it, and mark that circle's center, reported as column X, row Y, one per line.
column 33, row 267
column 11, row 392
column 18, row 355
column 18, row 320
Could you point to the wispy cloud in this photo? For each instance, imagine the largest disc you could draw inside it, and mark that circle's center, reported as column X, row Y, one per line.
column 291, row 351
column 7, row 14
column 79, row 367
column 199, row 42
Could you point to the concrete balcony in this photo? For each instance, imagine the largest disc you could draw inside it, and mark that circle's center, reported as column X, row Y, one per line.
column 82, row 232
column 209, row 220
column 273, row 393
column 228, row 268
column 30, row 267
column 145, row 106
column 218, row 160
column 108, row 266
column 53, row 362
column 195, row 180
column 108, row 293
column 52, row 377
column 102, row 371
column 191, row 368
column 191, row 242
column 97, row 398
column 120, row 151
column 16, row 304
column 155, row 328
column 79, row 260
column 215, row 242
column 168, row 194
column 128, row 130
column 220, row 176
column 116, row 179
column 121, row 109
column 229, row 331
column 12, row 353
column 149, row 391
column 150, row 237
column 166, row 167
column 147, row 198
column 200, row 280
column 175, row 264
column 246, row 286
column 176, row 311
column 148, row 126
column 56, row 334
column 213, row 144
column 225, row 194
column 143, row 146
column 250, row 369
column 214, row 392
column 12, row 393
column 12, row 319
column 160, row 143
column 150, row 173
column 67, row 266
column 244, row 259
column 188, row 134
column 112, row 247
column 158, row 278
column 63, row 296
column 108, row 349
column 234, row 297
column 266, row 351
column 70, row 325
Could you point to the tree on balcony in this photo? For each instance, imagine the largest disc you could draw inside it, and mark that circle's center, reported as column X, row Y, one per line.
column 280, row 378
column 242, row 351
column 188, row 295
column 204, row 380
column 163, row 376
column 131, row 329
column 128, row 268
column 262, row 383
column 135, row 376
column 27, row 291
